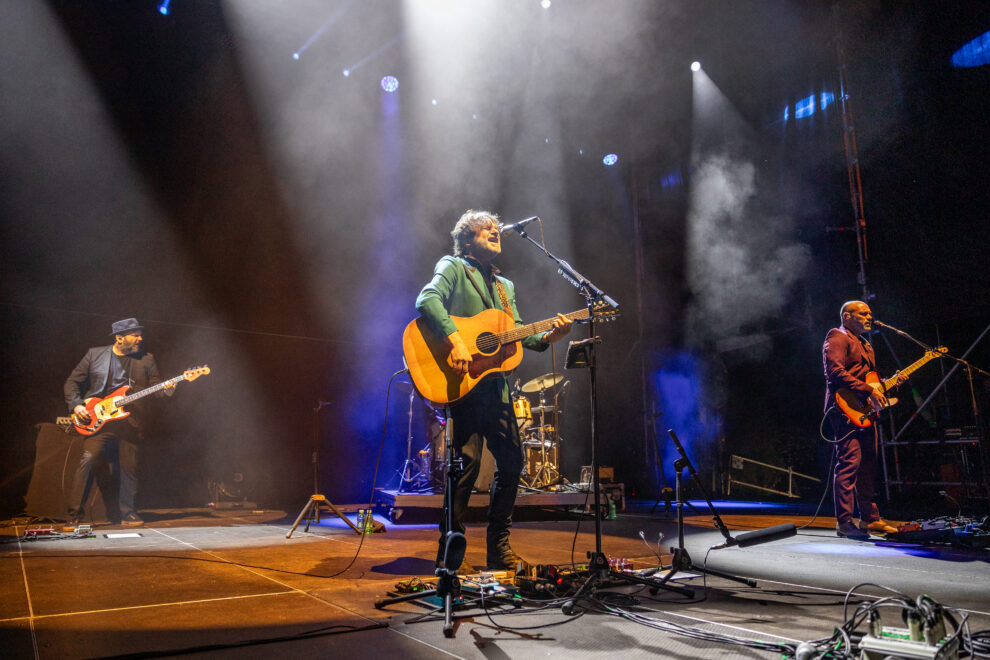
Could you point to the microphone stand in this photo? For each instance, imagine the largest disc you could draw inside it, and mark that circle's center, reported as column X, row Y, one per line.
column 681, row 559
column 600, row 572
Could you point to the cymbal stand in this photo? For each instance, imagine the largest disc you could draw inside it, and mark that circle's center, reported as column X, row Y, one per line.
column 411, row 473
column 455, row 544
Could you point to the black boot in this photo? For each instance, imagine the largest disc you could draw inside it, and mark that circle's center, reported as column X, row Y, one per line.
column 501, row 557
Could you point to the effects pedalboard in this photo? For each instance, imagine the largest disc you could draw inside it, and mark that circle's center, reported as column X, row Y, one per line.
column 43, row 532
column 536, row 581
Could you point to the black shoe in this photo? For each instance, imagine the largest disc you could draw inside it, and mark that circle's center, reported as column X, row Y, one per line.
column 850, row 530
column 131, row 520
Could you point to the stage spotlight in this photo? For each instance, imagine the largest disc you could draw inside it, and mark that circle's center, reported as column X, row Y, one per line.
column 474, row 116
column 580, row 152
column 610, row 160
column 433, row 102
column 696, row 66
column 163, row 7
column 974, row 53
column 295, row 56
column 545, row 4
column 390, row 83
column 346, row 72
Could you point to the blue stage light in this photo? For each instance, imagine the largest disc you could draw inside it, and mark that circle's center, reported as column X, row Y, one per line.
column 295, row 56
column 787, row 112
column 805, row 107
column 826, row 99
column 974, row 53
column 390, row 83
column 346, row 72
column 610, row 160
column 163, row 7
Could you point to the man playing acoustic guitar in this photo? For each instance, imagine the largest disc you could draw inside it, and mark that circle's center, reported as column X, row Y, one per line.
column 464, row 285
column 101, row 371
column 849, row 358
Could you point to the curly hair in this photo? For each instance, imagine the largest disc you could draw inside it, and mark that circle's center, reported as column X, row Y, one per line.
column 466, row 227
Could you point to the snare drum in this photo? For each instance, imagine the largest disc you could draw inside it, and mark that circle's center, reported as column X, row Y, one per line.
column 521, row 407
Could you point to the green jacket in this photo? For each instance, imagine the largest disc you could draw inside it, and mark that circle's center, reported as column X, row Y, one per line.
column 451, row 292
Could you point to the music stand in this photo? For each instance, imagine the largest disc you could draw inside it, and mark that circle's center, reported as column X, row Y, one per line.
column 312, row 509
column 581, row 354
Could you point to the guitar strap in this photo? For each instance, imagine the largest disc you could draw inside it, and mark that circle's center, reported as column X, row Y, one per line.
column 502, row 295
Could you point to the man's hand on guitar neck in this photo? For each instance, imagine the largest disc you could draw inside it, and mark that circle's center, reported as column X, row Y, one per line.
column 460, row 356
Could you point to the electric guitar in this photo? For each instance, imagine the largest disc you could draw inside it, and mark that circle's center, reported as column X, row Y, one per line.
column 858, row 409
column 110, row 407
column 493, row 340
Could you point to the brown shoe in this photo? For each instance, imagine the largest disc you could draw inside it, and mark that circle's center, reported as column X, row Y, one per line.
column 879, row 526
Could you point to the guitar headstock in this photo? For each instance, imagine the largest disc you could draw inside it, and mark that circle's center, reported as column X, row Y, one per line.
column 937, row 352
column 603, row 312
column 195, row 372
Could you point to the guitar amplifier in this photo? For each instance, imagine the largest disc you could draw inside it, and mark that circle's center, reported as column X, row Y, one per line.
column 58, row 450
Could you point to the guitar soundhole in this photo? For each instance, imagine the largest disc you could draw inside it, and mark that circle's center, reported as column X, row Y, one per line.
column 487, row 343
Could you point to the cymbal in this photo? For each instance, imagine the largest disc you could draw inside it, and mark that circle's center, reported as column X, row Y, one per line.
column 542, row 382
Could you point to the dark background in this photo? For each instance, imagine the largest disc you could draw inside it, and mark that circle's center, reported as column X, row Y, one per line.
column 275, row 220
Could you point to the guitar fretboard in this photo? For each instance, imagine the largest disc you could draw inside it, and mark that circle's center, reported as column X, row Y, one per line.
column 540, row 326
column 914, row 366
column 150, row 390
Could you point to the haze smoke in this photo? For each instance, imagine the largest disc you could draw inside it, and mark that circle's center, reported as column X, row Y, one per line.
column 742, row 261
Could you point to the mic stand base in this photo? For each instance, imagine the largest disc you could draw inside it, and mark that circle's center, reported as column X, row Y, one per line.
column 455, row 545
column 602, row 573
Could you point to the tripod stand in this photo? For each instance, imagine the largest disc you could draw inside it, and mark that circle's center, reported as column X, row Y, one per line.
column 312, row 509
column 682, row 560
column 455, row 545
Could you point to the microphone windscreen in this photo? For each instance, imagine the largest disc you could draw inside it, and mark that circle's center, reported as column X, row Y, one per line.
column 766, row 535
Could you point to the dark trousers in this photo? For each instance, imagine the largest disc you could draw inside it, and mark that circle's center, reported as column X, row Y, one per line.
column 482, row 418
column 118, row 448
column 855, row 470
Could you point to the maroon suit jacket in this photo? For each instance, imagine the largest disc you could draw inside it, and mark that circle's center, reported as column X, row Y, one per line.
column 848, row 358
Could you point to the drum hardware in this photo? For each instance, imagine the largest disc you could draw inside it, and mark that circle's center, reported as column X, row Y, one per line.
column 414, row 476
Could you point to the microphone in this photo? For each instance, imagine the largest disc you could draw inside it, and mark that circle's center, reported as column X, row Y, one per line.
column 881, row 323
column 517, row 226
column 760, row 536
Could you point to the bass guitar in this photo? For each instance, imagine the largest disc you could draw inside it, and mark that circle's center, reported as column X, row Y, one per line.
column 858, row 409
column 111, row 407
column 493, row 340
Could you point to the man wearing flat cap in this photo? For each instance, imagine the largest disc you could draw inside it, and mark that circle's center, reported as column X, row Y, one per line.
column 103, row 370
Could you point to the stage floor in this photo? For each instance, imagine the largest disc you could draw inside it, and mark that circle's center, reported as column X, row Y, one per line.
column 228, row 583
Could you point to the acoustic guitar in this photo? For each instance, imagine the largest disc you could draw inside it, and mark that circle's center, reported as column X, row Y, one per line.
column 857, row 408
column 493, row 340
column 111, row 407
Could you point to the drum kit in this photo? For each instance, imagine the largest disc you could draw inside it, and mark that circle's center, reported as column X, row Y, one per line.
column 538, row 431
